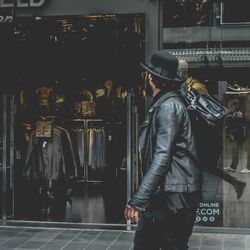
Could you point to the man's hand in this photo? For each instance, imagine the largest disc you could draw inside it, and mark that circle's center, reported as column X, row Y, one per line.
column 131, row 214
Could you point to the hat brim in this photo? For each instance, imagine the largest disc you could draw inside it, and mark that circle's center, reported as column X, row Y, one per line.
column 171, row 80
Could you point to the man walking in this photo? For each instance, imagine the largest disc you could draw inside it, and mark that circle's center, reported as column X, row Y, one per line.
column 165, row 203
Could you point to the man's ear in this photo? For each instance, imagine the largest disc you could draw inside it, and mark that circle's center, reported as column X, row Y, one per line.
column 150, row 78
column 150, row 81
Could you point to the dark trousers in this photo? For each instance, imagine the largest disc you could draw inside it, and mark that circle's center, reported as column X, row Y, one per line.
column 164, row 230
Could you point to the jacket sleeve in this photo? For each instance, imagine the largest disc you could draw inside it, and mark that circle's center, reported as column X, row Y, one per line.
column 168, row 120
column 28, row 168
column 69, row 154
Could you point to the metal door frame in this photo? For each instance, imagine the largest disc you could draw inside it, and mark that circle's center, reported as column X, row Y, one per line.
column 7, row 151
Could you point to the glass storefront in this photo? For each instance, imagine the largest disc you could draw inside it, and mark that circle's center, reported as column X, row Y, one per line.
column 77, row 77
column 7, row 156
column 218, row 58
column 1, row 161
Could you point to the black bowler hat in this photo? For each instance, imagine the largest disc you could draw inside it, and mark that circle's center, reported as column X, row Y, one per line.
column 163, row 65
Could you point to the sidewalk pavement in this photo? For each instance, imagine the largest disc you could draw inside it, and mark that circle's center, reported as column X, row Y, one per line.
column 24, row 238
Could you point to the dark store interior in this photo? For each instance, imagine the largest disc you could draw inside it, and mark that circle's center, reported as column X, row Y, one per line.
column 77, row 58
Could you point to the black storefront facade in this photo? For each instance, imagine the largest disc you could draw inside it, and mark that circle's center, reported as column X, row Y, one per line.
column 216, row 55
column 80, row 56
column 213, row 36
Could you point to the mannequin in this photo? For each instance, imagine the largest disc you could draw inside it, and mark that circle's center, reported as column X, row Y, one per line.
column 45, row 96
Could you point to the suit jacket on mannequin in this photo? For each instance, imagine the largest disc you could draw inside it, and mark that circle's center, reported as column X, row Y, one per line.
column 50, row 158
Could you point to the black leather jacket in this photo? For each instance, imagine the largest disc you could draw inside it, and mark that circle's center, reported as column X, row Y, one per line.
column 168, row 152
column 52, row 158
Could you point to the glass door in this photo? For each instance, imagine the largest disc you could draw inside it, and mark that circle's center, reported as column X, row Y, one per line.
column 83, row 108
column 7, row 157
column 137, row 106
column 1, row 158
column 132, row 145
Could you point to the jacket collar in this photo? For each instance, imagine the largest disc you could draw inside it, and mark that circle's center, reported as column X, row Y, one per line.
column 162, row 99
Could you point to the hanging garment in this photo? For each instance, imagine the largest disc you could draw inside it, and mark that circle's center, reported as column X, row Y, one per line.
column 91, row 148
column 79, row 137
column 71, row 151
column 96, row 149
column 50, row 158
column 100, row 149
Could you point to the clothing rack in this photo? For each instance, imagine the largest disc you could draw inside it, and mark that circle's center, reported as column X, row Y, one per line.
column 95, row 123
column 86, row 124
column 52, row 118
column 52, row 185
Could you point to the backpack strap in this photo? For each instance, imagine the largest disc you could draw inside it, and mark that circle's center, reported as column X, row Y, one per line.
column 158, row 104
column 164, row 98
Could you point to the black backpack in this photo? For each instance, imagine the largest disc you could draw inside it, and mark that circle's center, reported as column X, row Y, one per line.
column 206, row 116
column 204, row 106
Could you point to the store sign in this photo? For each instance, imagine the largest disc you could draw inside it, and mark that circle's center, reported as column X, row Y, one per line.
column 209, row 214
column 21, row 3
column 6, row 19
column 7, row 5
column 6, row 15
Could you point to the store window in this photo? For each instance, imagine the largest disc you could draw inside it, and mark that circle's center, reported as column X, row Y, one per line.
column 72, row 76
column 1, row 159
column 193, row 31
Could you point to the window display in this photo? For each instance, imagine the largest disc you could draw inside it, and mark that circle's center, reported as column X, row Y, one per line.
column 198, row 32
column 71, row 89
column 226, row 179
column 236, row 154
